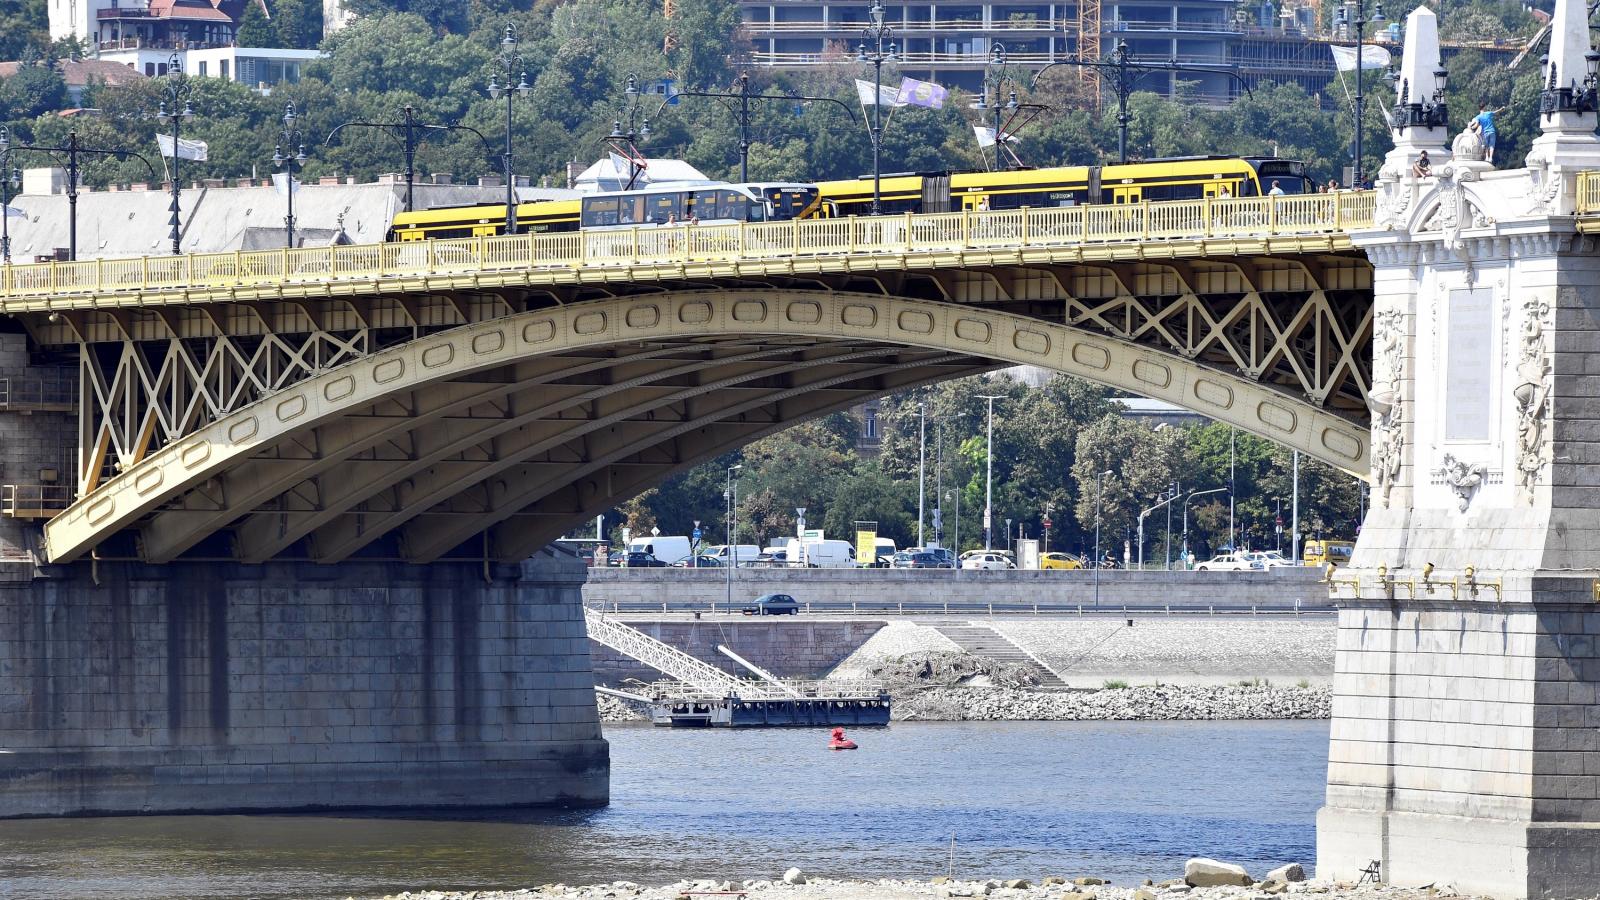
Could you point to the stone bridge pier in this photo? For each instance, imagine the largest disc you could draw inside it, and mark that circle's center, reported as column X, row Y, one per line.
column 203, row 686
column 1465, row 744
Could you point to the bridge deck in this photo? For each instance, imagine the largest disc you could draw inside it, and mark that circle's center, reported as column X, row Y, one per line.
column 1148, row 230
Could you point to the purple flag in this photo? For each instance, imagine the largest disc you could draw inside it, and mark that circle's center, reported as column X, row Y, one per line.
column 922, row 93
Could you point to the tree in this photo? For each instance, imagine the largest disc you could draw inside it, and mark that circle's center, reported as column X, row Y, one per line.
column 23, row 28
column 35, row 89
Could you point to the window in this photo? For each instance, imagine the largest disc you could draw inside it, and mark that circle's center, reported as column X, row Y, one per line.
column 222, row 68
column 202, row 68
column 150, row 69
column 870, row 429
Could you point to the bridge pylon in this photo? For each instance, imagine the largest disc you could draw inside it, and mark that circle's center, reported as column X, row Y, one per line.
column 1464, row 748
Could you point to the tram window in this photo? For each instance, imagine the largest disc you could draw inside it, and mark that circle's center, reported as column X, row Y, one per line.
column 756, row 211
column 665, row 207
column 705, row 204
column 730, row 205
column 600, row 211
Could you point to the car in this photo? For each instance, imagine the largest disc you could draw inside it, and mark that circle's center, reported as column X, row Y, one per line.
column 902, row 560
column 704, row 562
column 773, row 605
column 638, row 560
column 772, row 558
column 1270, row 559
column 1230, row 562
column 986, row 560
column 1059, row 561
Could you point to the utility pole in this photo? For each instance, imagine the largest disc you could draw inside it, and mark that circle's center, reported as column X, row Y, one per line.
column 938, row 481
column 1099, row 492
column 988, row 490
column 1294, row 513
column 730, row 495
column 1233, row 545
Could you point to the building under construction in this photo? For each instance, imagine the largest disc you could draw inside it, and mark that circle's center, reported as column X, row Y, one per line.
column 950, row 42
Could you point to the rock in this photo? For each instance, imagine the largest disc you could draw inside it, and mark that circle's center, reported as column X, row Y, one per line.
column 939, row 879
column 1018, row 884
column 1288, row 873
column 794, row 876
column 1144, row 894
column 1050, row 880
column 1077, row 895
column 1086, row 882
column 1274, row 886
column 1203, row 872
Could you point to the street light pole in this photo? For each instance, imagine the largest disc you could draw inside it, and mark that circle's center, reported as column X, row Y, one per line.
column 411, row 134
column 1167, row 550
column 510, row 62
column 1361, row 21
column 730, row 496
column 738, row 102
column 289, row 139
column 988, row 488
column 922, row 456
column 638, row 131
column 1099, row 493
column 1294, row 514
column 73, row 150
column 10, row 180
column 1192, row 495
column 875, row 33
column 177, row 88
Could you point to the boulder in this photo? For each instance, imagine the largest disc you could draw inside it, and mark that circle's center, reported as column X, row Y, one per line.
column 1018, row 884
column 1144, row 894
column 939, row 879
column 1203, row 872
column 1049, row 880
column 1274, row 886
column 1077, row 895
column 1288, row 873
column 1087, row 882
column 794, row 876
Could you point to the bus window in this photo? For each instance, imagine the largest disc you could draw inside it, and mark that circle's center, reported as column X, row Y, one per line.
column 756, row 211
column 665, row 208
column 730, row 205
column 787, row 203
column 600, row 211
column 633, row 211
column 705, row 205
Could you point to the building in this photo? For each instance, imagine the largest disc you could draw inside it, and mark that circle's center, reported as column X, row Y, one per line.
column 145, row 35
column 80, row 73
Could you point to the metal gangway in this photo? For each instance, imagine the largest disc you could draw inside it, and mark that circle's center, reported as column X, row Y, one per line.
column 670, row 661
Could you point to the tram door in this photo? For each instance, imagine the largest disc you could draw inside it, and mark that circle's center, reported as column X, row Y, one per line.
column 1126, row 193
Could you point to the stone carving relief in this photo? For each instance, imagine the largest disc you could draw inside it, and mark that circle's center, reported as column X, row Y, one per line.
column 1468, row 146
column 1532, row 395
column 1545, row 193
column 1388, row 444
column 1393, row 202
column 1464, row 478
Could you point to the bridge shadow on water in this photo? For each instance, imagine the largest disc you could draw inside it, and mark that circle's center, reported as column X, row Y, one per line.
column 1118, row 800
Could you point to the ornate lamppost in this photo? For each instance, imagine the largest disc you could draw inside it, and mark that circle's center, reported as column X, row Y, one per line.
column 509, row 62
column 875, row 48
column 1344, row 19
column 624, row 141
column 411, row 134
column 174, row 108
column 290, row 155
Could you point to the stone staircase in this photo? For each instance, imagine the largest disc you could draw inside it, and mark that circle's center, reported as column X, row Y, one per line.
column 984, row 641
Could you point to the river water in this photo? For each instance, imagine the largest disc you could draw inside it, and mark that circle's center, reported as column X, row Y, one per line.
column 1123, row 800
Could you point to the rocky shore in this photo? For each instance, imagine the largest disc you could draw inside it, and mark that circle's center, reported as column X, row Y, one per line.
column 957, row 687
column 794, row 885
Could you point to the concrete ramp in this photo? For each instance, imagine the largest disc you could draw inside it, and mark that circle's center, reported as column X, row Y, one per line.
column 981, row 640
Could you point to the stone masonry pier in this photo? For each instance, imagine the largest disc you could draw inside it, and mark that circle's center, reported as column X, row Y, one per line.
column 206, row 687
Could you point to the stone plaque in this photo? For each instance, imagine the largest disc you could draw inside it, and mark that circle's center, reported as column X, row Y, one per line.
column 1469, row 362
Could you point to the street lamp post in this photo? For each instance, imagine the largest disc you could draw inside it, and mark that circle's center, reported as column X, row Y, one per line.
column 988, row 486
column 72, row 150
column 1191, row 496
column 738, row 102
column 411, row 134
column 637, row 133
column 1166, row 498
column 510, row 61
column 1175, row 490
column 994, row 77
column 1124, row 72
column 10, row 180
column 730, row 495
column 178, row 92
column 289, row 139
column 1099, row 493
column 1361, row 20
column 922, row 456
column 873, row 49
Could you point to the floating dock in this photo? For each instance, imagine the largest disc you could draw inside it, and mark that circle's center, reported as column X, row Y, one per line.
column 704, row 696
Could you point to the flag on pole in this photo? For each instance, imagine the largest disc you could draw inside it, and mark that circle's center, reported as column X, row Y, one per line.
column 986, row 136
column 921, row 93
column 280, row 182
column 11, row 212
column 1372, row 57
column 884, row 94
column 187, row 149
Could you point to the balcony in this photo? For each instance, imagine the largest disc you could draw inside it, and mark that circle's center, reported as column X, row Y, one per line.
column 937, row 25
column 906, row 60
column 33, row 501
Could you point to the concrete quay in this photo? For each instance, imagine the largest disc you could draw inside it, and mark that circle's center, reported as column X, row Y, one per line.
column 875, row 589
column 219, row 687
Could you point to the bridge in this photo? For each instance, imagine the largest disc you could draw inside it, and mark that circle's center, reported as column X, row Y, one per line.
column 298, row 560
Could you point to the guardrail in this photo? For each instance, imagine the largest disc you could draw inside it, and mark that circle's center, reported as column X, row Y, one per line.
column 25, row 394
column 987, row 609
column 571, row 253
column 1588, row 193
column 33, row 501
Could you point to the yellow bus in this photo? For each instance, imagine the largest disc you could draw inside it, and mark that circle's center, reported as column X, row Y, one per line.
column 1319, row 553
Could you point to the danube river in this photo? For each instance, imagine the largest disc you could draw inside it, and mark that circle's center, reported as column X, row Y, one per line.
column 1122, row 800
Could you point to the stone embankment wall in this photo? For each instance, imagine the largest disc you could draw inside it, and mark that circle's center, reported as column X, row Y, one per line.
column 40, row 441
column 876, row 588
column 786, row 647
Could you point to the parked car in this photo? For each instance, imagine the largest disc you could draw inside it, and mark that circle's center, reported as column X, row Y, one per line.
column 772, row 558
column 1055, row 560
column 986, row 560
column 773, row 605
column 1230, row 562
column 947, row 557
column 1270, row 559
column 704, row 562
column 637, row 560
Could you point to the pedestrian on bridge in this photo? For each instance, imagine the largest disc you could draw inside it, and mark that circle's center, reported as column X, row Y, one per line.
column 1485, row 123
column 1422, row 168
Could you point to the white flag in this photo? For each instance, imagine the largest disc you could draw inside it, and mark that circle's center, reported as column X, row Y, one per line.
column 1372, row 57
column 187, row 149
column 280, row 182
column 986, row 136
column 13, row 213
column 888, row 96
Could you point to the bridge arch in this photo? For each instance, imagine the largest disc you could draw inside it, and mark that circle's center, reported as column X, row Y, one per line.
column 518, row 426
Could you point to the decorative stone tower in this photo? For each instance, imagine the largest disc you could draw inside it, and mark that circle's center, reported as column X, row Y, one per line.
column 1465, row 745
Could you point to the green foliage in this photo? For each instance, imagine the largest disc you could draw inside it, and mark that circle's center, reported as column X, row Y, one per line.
column 35, row 89
column 23, row 28
column 1114, row 684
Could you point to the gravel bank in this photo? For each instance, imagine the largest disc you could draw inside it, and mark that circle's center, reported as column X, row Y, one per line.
column 980, row 704
column 824, row 889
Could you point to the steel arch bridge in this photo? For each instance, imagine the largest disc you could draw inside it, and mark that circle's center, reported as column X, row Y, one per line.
column 482, row 413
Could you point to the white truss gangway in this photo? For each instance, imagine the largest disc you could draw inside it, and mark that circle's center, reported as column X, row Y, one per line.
column 671, row 661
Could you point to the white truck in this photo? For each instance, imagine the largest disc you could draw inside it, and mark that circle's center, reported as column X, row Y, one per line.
column 821, row 554
column 669, row 548
column 735, row 554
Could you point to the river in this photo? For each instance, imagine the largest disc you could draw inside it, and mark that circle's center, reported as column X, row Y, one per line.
column 1123, row 800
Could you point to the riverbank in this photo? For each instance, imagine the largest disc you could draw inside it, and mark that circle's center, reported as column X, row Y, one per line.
column 890, row 889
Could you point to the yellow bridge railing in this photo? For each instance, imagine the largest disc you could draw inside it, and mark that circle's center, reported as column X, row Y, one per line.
column 1588, row 193
column 573, row 255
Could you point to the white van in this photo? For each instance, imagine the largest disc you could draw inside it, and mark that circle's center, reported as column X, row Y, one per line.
column 883, row 552
column 667, row 548
column 742, row 555
column 824, row 554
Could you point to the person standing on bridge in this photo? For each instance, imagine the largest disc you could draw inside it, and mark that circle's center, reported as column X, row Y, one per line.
column 1485, row 123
